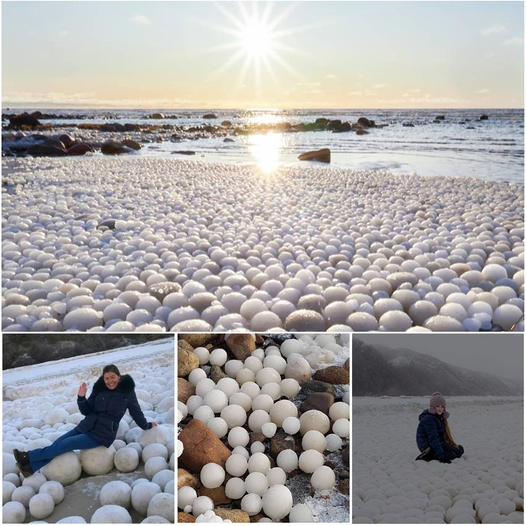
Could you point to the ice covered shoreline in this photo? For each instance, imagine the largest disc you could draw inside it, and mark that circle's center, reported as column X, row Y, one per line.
column 485, row 485
column 310, row 248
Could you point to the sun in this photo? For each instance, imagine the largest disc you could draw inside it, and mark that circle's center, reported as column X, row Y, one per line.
column 256, row 39
column 256, row 36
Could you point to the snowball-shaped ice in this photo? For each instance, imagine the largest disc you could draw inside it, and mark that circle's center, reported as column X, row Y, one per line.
column 298, row 368
column 228, row 385
column 142, row 494
column 313, row 439
column 55, row 416
column 236, row 465
column 256, row 482
column 277, row 502
column 7, row 491
column 162, row 504
column 256, row 419
column 300, row 513
column 204, row 413
column 212, row 475
column 97, row 460
column 323, row 478
column 35, row 481
column 13, row 513
column 111, row 514
column 269, row 429
column 238, row 436
column 154, row 450
column 281, row 410
column 339, row 410
column 314, row 419
column 53, row 488
column 267, row 375
column 73, row 519
column 116, row 492
column 289, row 387
column 126, row 459
column 310, row 460
column 287, row 460
column 218, row 357
column 159, row 434
column 251, row 503
column 23, row 494
column 153, row 465
column 234, row 415
column 163, row 478
column 291, row 425
column 201, row 505
column 185, row 496
column 8, row 464
column 235, row 488
column 218, row 426
column 41, row 505
column 258, row 462
column 334, row 442
column 341, row 427
column 276, row 476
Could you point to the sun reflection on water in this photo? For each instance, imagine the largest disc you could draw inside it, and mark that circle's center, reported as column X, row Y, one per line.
column 266, row 149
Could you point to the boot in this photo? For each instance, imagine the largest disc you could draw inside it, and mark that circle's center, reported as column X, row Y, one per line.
column 25, row 469
column 426, row 455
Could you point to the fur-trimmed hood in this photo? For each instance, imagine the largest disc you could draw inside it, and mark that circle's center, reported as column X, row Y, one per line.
column 125, row 385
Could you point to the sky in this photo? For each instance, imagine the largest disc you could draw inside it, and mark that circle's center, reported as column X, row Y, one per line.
column 263, row 55
column 498, row 354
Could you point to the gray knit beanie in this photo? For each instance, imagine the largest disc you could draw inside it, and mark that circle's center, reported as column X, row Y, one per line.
column 436, row 400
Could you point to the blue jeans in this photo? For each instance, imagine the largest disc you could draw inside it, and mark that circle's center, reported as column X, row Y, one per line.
column 68, row 442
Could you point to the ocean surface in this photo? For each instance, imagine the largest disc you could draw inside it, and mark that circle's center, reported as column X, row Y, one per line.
column 458, row 145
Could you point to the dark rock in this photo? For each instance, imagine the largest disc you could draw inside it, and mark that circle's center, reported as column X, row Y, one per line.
column 345, row 455
column 175, row 138
column 228, row 139
column 134, row 145
column 80, row 148
column 319, row 401
column 216, row 373
column 114, row 148
column 226, row 124
column 66, row 140
column 281, row 441
column 323, row 155
column 344, row 127
column 209, row 116
column 343, row 486
column 254, row 436
column 408, row 124
column 112, row 127
column 156, row 116
column 365, row 122
column 440, row 118
column 184, row 152
column 24, row 119
column 108, row 223
column 131, row 127
column 52, row 148
column 314, row 386
column 321, row 121
column 360, row 131
column 483, row 117
column 332, row 375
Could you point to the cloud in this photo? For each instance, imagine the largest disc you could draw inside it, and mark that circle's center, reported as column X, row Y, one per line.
column 140, row 19
column 494, row 30
column 380, row 86
column 483, row 91
column 515, row 41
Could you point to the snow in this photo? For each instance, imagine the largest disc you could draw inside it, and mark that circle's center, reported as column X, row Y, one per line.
column 486, row 484
column 33, row 392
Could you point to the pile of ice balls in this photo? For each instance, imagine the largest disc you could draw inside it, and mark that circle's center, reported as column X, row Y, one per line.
column 258, row 394
column 36, row 496
column 447, row 256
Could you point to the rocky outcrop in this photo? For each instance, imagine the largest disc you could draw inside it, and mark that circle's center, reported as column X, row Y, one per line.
column 323, row 156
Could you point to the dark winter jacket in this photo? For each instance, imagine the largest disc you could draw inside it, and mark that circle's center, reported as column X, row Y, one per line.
column 430, row 432
column 105, row 407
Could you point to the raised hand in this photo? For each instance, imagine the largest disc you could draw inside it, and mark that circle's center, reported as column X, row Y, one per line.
column 83, row 389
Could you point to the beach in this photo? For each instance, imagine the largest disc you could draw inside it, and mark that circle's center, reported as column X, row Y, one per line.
column 155, row 244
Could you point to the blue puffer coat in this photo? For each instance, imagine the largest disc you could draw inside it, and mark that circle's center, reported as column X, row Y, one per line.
column 105, row 407
column 430, row 432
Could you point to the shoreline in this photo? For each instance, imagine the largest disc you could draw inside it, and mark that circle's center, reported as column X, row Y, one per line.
column 184, row 245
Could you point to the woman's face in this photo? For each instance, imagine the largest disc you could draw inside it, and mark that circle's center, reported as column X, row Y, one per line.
column 439, row 409
column 111, row 380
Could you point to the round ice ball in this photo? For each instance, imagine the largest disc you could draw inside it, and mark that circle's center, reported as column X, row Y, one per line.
column 341, row 427
column 339, row 410
column 258, row 462
column 234, row 415
column 291, row 425
column 53, row 488
column 216, row 400
column 203, row 354
column 23, row 494
column 277, row 502
column 238, row 436
column 97, row 460
column 287, row 460
column 289, row 387
column 162, row 504
column 313, row 439
column 142, row 494
column 323, row 478
column 235, row 488
column 154, row 450
column 236, row 465
column 41, row 505
column 116, row 492
column 153, row 465
column 334, row 442
column 185, row 496
column 257, row 447
column 269, row 429
column 314, row 419
column 276, row 476
column 126, row 459
column 310, row 460
column 300, row 513
column 256, row 482
column 35, row 481
column 13, row 513
column 72, row 519
column 256, row 419
column 281, row 410
column 111, row 514
column 218, row 357
column 65, row 468
column 7, row 491
column 251, row 504
column 218, row 426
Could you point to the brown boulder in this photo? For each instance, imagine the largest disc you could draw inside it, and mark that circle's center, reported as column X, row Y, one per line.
column 346, row 364
column 281, row 441
column 185, row 517
column 216, row 494
column 187, row 361
column 197, row 340
column 254, row 436
column 319, row 401
column 201, row 446
column 185, row 479
column 323, row 155
column 184, row 390
column 314, row 386
column 80, row 148
column 343, row 486
column 134, row 145
column 332, row 375
column 216, row 373
column 241, row 345
column 232, row 515
column 114, row 148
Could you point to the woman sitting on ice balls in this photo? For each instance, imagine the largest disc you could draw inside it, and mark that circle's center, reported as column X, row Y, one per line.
column 433, row 436
column 112, row 394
